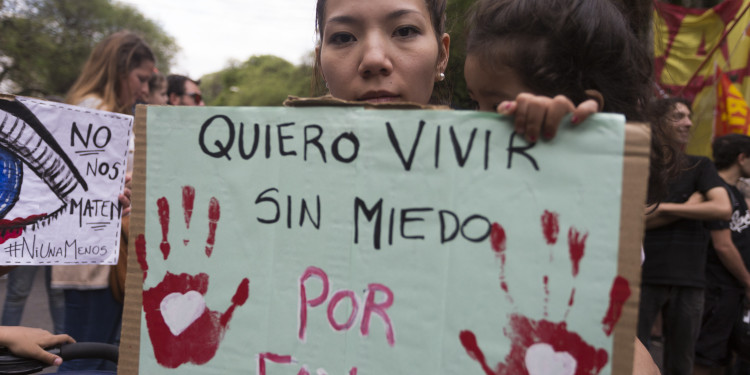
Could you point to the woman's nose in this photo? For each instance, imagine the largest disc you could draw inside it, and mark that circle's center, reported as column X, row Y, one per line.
column 376, row 58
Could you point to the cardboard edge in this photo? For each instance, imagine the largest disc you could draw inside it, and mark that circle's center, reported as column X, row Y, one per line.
column 634, row 188
column 131, row 320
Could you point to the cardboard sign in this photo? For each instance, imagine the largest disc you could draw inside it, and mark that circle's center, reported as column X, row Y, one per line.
column 63, row 168
column 354, row 241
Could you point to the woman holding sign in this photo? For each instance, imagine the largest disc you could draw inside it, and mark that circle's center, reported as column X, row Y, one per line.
column 115, row 75
column 396, row 50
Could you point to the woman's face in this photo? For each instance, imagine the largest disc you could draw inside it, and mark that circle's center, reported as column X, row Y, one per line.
column 490, row 86
column 159, row 95
column 135, row 84
column 381, row 51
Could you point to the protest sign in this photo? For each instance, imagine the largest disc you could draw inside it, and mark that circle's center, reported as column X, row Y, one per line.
column 63, row 168
column 354, row 241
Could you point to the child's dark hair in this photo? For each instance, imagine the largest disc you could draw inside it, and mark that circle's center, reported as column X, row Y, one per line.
column 727, row 148
column 564, row 47
column 157, row 80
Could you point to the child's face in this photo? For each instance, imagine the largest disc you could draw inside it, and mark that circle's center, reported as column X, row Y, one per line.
column 158, row 96
column 380, row 51
column 490, row 87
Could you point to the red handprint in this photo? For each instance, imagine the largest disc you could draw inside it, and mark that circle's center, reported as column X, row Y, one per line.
column 541, row 346
column 181, row 327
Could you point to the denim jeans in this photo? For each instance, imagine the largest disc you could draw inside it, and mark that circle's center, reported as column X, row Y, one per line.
column 92, row 316
column 20, row 280
column 682, row 309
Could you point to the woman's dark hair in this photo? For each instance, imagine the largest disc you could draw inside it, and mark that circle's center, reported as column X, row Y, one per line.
column 564, row 47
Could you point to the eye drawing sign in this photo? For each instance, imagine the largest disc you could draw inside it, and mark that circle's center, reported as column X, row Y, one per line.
column 352, row 241
column 63, row 168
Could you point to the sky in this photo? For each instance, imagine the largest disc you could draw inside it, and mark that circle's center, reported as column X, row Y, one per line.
column 210, row 33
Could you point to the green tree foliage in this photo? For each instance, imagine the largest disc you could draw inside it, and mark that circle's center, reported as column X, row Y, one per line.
column 259, row 81
column 455, row 85
column 44, row 43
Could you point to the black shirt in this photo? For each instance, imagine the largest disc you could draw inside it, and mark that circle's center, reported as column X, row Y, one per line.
column 676, row 253
column 716, row 273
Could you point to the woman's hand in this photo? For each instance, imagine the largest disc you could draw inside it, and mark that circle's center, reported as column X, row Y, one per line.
column 537, row 115
column 124, row 198
column 30, row 343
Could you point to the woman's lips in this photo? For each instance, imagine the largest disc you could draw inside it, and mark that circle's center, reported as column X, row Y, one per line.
column 380, row 97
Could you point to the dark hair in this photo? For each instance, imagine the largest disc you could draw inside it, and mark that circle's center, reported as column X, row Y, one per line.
column 176, row 84
column 436, row 8
column 156, row 81
column 666, row 161
column 727, row 148
column 564, row 47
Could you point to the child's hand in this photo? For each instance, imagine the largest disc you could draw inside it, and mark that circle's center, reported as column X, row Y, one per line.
column 30, row 343
column 537, row 115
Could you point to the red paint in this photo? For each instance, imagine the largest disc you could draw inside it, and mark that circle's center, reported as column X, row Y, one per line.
column 497, row 238
column 303, row 301
column 379, row 309
column 523, row 333
column 214, row 212
column 577, row 245
column 335, row 299
column 546, row 294
column 619, row 293
column 571, row 301
column 163, row 210
column 498, row 241
column 140, row 253
column 275, row 358
column 7, row 234
column 198, row 343
column 550, row 226
column 188, row 198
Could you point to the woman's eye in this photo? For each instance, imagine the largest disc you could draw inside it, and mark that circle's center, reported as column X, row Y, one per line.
column 406, row 31
column 341, row 38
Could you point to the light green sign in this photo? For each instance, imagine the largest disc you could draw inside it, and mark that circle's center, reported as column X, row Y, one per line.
column 353, row 241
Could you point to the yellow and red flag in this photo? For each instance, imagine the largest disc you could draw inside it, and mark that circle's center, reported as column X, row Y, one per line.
column 732, row 114
column 688, row 44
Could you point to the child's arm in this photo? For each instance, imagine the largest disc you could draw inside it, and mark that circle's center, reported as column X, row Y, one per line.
column 537, row 115
column 29, row 343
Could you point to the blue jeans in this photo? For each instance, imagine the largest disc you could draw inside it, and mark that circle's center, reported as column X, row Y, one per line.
column 20, row 280
column 682, row 310
column 92, row 316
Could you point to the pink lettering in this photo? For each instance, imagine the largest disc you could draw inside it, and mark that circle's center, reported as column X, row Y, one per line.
column 275, row 358
column 303, row 302
column 335, row 299
column 379, row 309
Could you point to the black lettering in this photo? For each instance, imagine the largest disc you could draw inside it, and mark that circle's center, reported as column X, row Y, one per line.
column 483, row 236
column 405, row 219
column 116, row 171
column 74, row 131
column 437, row 147
column 261, row 198
column 108, row 135
column 452, row 236
column 394, row 142
column 241, row 141
column 304, row 209
column 268, row 141
column 223, row 148
column 487, row 149
column 369, row 214
column 315, row 141
column 282, row 137
column 461, row 159
column 355, row 145
column 520, row 150
column 103, row 168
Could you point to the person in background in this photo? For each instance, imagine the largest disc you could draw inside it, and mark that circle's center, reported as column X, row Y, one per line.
column 727, row 276
column 182, row 90
column 675, row 244
column 157, row 90
column 115, row 75
column 18, row 287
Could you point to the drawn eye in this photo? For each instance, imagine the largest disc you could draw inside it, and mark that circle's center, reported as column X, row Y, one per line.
column 36, row 176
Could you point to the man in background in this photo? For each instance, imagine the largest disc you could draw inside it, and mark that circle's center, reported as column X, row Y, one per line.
column 182, row 90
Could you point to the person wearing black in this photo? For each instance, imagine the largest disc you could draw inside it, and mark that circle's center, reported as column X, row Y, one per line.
column 675, row 245
column 727, row 276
